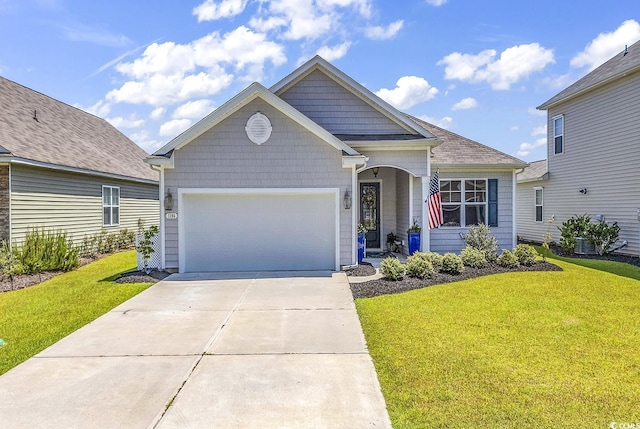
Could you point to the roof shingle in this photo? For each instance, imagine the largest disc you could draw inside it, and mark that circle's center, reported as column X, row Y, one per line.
column 537, row 170
column 38, row 128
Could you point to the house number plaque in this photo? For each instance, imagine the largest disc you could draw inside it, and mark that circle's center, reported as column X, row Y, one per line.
column 171, row 215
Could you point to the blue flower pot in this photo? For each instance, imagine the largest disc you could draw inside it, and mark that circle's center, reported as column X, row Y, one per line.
column 414, row 242
column 360, row 247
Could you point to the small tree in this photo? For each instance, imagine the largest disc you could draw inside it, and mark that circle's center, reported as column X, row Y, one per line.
column 480, row 238
column 145, row 245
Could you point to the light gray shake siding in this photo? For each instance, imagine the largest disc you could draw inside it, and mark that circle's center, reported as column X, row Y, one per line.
column 58, row 200
column 224, row 157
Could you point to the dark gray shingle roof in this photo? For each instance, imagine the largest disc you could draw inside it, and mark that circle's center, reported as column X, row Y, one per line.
column 617, row 66
column 458, row 150
column 64, row 135
column 537, row 170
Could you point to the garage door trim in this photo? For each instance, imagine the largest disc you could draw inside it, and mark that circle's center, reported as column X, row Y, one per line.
column 335, row 192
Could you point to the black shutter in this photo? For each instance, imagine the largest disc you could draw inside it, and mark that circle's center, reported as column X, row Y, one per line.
column 493, row 202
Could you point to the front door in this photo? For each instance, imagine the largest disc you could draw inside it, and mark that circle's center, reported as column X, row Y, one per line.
column 370, row 212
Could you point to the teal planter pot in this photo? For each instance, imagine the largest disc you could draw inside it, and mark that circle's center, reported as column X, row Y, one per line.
column 414, row 242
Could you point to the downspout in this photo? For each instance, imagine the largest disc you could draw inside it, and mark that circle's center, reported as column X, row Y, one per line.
column 514, row 215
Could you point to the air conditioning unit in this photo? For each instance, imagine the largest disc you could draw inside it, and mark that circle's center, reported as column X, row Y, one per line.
column 584, row 247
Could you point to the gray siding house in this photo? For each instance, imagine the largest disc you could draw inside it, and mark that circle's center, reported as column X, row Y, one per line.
column 593, row 151
column 279, row 178
column 64, row 169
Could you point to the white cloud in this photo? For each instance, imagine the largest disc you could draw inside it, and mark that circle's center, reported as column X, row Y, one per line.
column 515, row 63
column 535, row 112
column 409, row 91
column 130, row 122
column 100, row 109
column 331, row 53
column 465, row 103
column 540, row 130
column 157, row 113
column 606, row 45
column 445, row 122
column 196, row 109
column 170, row 72
column 268, row 24
column 558, row 81
column 436, row 2
column 211, row 10
column 174, row 127
column 384, row 33
column 142, row 139
column 514, row 128
column 527, row 148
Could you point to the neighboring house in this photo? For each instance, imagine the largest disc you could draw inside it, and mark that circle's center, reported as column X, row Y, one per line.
column 593, row 151
column 278, row 179
column 64, row 169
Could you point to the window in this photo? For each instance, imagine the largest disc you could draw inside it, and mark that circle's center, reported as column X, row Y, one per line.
column 464, row 202
column 110, row 205
column 558, row 134
column 539, row 204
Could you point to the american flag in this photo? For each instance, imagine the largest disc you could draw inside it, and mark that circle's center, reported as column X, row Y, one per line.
column 435, row 207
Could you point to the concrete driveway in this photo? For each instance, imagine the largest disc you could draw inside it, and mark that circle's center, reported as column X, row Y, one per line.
column 268, row 350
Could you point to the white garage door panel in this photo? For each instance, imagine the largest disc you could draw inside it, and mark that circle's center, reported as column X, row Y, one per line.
column 246, row 232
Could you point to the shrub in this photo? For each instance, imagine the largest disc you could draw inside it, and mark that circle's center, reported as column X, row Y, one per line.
column 418, row 266
column 472, row 257
column 508, row 259
column 526, row 254
column 603, row 235
column 575, row 226
column 480, row 238
column 452, row 264
column 392, row 269
column 435, row 259
column 41, row 251
column 9, row 262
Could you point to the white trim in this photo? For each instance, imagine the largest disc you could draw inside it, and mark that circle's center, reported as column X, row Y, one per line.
column 253, row 91
column 424, row 243
column 354, row 215
column 380, row 206
column 110, row 205
column 78, row 170
column 387, row 145
column 10, row 206
column 348, row 161
column 514, row 226
column 249, row 191
column 553, row 134
column 535, row 204
column 371, row 166
column 163, row 224
column 410, row 206
column 463, row 202
column 354, row 87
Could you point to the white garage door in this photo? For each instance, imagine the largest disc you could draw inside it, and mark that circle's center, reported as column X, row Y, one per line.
column 258, row 231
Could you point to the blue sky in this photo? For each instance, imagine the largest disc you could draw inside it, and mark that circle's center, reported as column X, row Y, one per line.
column 478, row 68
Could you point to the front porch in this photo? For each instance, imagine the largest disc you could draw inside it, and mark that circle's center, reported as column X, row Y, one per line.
column 389, row 199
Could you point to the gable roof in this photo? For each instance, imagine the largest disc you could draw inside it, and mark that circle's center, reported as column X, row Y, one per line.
column 458, row 151
column 535, row 172
column 622, row 64
column 319, row 63
column 37, row 129
column 253, row 91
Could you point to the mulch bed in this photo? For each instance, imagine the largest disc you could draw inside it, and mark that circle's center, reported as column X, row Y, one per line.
column 142, row 277
column 384, row 287
column 363, row 269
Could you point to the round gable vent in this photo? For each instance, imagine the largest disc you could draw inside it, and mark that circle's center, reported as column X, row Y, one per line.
column 258, row 128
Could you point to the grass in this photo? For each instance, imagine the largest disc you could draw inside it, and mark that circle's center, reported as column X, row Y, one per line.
column 536, row 349
column 619, row 268
column 32, row 319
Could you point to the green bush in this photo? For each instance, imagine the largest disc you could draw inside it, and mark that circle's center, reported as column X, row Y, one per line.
column 41, row 251
column 603, row 235
column 392, row 269
column 508, row 259
column 452, row 264
column 479, row 237
column 105, row 242
column 435, row 259
column 472, row 257
column 526, row 254
column 575, row 226
column 418, row 266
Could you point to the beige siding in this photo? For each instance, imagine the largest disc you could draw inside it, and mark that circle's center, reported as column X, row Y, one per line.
column 528, row 228
column 448, row 239
column 73, row 202
column 224, row 157
column 414, row 161
column 337, row 109
column 602, row 154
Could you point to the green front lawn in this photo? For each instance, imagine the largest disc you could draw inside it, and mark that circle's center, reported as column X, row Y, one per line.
column 34, row 318
column 534, row 349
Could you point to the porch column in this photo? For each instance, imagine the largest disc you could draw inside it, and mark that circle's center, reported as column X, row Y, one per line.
column 425, row 243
